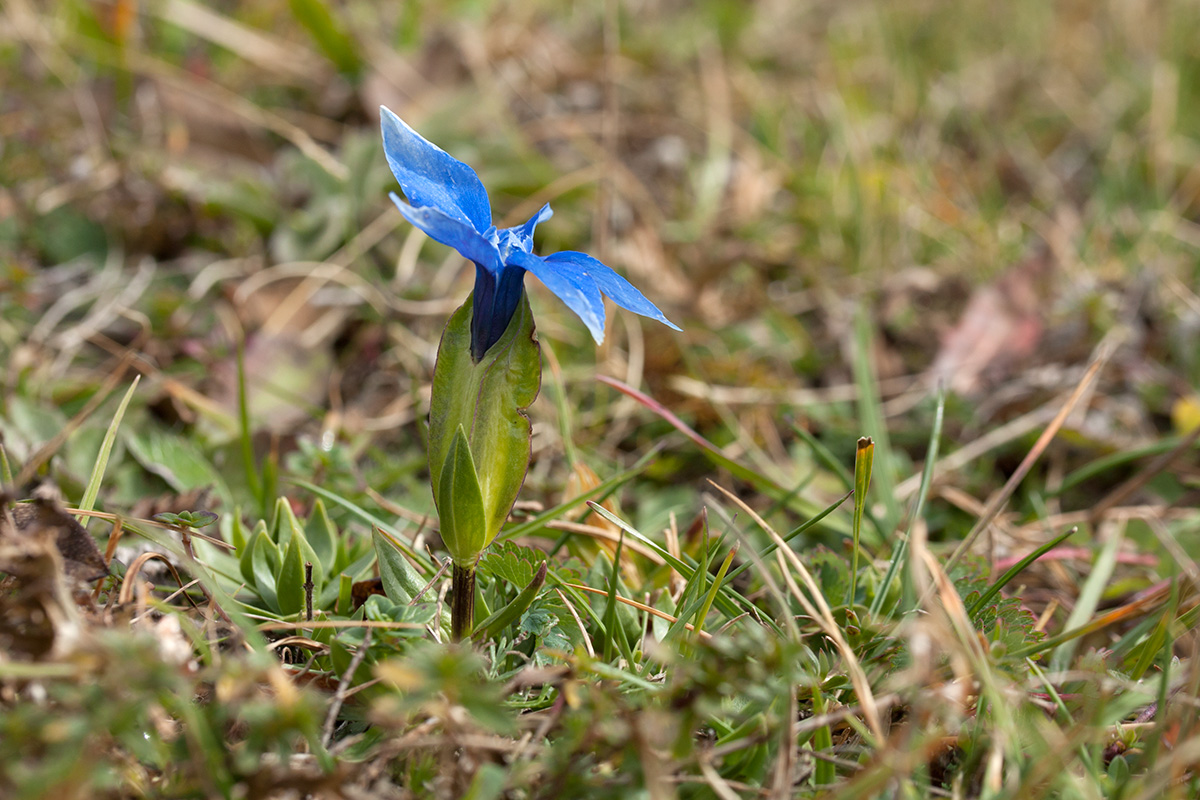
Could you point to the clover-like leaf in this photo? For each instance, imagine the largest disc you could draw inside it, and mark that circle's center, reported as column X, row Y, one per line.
column 186, row 519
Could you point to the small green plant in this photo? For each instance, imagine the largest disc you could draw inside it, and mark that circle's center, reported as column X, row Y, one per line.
column 488, row 367
column 290, row 568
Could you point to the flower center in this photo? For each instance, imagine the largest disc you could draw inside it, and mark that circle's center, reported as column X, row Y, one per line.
column 508, row 240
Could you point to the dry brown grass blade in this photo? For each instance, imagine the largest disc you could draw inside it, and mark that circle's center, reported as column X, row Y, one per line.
column 299, row 641
column 288, row 60
column 719, row 785
column 1141, row 605
column 129, row 582
column 823, row 617
column 997, row 502
column 221, row 97
column 951, row 604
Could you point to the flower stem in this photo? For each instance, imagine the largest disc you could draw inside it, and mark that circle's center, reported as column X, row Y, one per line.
column 462, row 602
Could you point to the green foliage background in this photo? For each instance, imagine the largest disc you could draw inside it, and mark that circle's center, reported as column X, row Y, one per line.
column 840, row 202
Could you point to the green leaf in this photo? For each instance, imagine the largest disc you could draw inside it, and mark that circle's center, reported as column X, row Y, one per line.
column 423, row 563
column 246, row 549
column 237, row 533
column 186, row 519
column 401, row 583
column 512, row 562
column 381, row 609
column 345, row 598
column 500, row 620
column 176, row 460
column 289, row 525
column 289, row 582
column 487, row 401
column 322, row 534
column 264, row 562
column 1016, row 569
column 543, row 624
column 864, row 458
column 6, row 475
column 460, row 504
column 110, row 436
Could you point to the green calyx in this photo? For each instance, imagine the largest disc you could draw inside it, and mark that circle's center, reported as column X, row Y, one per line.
column 478, row 431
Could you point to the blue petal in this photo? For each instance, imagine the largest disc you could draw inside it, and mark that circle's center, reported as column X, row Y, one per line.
column 430, row 177
column 577, row 290
column 453, row 232
column 621, row 291
column 543, row 215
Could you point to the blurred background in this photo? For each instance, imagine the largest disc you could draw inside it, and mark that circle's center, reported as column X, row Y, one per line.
column 842, row 203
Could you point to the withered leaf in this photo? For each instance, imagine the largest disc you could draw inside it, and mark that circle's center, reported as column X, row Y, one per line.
column 81, row 556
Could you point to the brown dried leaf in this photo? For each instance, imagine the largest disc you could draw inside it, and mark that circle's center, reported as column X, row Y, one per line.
column 45, row 516
column 38, row 618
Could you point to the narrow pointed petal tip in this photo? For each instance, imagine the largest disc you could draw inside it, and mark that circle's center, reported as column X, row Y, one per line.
column 609, row 283
column 541, row 216
column 431, row 177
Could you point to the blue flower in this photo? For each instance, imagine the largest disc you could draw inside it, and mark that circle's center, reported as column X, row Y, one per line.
column 447, row 201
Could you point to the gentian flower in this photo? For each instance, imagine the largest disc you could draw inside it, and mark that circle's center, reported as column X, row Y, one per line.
column 447, row 201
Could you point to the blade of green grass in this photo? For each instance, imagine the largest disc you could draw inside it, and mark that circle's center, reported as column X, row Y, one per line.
column 597, row 494
column 792, row 534
column 900, row 554
column 1016, row 569
column 1159, row 638
column 824, row 772
column 692, row 597
column 1089, row 597
column 718, row 581
column 6, row 475
column 92, row 490
column 610, row 608
column 334, row 41
column 831, row 462
column 728, row 601
column 870, row 416
column 1112, row 461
